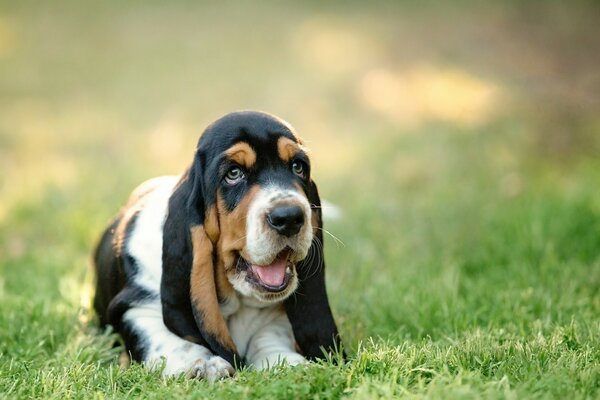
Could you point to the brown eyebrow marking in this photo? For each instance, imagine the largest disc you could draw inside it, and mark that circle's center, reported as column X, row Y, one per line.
column 242, row 154
column 287, row 148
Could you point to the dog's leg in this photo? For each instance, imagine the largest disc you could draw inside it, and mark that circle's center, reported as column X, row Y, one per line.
column 143, row 328
column 273, row 344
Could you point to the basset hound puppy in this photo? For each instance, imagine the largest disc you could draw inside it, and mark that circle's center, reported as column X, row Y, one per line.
column 222, row 266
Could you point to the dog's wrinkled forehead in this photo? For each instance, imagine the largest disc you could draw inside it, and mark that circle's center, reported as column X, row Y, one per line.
column 262, row 144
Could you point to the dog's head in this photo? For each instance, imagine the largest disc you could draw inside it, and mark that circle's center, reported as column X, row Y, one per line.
column 257, row 200
column 247, row 216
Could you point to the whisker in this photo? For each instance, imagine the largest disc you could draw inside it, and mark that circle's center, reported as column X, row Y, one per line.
column 338, row 240
column 237, row 240
column 320, row 257
column 315, row 258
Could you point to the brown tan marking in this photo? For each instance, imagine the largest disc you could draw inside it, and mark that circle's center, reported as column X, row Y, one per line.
column 287, row 148
column 211, row 224
column 233, row 228
column 242, row 154
column 203, row 289
column 135, row 203
column 121, row 229
column 225, row 290
column 141, row 191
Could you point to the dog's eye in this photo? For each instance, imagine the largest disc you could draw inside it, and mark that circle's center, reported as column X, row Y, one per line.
column 298, row 168
column 234, row 175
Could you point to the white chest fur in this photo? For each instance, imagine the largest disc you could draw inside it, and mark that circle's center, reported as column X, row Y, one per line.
column 262, row 335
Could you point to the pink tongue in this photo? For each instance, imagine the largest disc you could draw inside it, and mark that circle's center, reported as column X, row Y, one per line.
column 272, row 274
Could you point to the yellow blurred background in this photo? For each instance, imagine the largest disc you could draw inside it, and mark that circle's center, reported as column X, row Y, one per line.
column 84, row 83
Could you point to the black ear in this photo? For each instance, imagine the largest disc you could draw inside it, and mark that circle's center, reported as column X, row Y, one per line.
column 188, row 291
column 308, row 310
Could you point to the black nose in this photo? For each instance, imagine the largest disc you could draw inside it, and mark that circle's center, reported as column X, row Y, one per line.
column 286, row 220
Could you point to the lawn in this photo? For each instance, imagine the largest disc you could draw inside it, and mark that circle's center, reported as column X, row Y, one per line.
column 461, row 143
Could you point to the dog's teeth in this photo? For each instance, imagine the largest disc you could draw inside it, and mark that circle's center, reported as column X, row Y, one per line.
column 288, row 270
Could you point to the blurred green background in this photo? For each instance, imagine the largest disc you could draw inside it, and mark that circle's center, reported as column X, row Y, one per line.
column 460, row 139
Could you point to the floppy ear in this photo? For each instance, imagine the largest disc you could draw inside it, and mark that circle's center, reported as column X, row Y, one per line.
column 188, row 290
column 308, row 310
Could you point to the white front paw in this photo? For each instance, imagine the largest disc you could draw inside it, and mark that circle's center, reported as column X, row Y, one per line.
column 289, row 359
column 294, row 359
column 212, row 369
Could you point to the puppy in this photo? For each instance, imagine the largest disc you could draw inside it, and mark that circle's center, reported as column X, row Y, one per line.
column 222, row 266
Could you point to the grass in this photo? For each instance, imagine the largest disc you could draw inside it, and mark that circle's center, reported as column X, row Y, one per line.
column 470, row 263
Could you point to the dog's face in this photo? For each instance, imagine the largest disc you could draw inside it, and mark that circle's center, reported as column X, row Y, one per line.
column 264, row 215
column 260, row 175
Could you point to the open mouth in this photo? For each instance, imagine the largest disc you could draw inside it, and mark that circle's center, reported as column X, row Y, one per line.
column 273, row 277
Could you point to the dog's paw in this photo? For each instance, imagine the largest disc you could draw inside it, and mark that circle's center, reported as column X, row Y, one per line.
column 213, row 369
column 272, row 360
column 295, row 359
column 218, row 368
